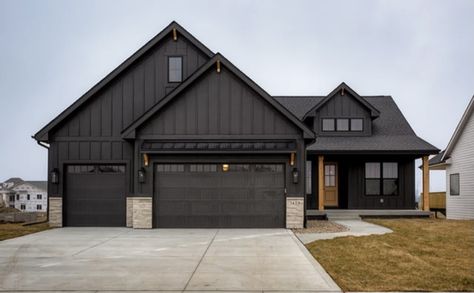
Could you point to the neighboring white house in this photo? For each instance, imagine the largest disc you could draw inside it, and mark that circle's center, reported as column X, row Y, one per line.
column 458, row 161
column 27, row 196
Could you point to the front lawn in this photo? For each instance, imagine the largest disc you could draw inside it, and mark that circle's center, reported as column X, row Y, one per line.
column 420, row 255
column 8, row 231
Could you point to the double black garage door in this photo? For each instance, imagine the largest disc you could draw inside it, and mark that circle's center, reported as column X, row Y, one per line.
column 185, row 195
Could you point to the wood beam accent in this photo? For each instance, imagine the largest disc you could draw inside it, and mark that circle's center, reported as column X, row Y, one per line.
column 426, row 184
column 321, row 183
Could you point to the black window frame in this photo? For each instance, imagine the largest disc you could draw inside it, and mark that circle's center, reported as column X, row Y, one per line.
column 39, row 207
column 451, row 176
column 39, row 196
column 382, row 178
column 28, row 196
column 350, row 124
column 169, row 68
column 333, row 124
column 22, row 206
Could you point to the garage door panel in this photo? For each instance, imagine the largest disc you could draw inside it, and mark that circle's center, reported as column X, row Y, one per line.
column 204, row 196
column 95, row 195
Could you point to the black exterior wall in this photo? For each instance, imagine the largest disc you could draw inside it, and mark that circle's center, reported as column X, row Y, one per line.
column 351, row 187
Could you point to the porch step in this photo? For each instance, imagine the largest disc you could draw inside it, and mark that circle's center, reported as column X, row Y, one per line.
column 342, row 215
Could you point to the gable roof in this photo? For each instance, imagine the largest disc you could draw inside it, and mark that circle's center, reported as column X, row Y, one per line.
column 391, row 132
column 129, row 132
column 459, row 129
column 42, row 135
column 374, row 113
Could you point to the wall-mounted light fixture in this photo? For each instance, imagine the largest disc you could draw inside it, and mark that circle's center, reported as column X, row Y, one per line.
column 225, row 167
column 54, row 176
column 141, row 175
column 292, row 159
column 145, row 160
column 295, row 175
column 218, row 66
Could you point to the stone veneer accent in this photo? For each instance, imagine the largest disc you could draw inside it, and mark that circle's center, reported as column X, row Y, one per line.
column 294, row 212
column 55, row 211
column 129, row 212
column 142, row 212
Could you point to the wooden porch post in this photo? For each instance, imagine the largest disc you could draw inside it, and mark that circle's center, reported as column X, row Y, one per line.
column 321, row 183
column 426, row 185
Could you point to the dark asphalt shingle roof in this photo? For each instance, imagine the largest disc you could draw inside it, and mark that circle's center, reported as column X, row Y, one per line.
column 436, row 159
column 390, row 131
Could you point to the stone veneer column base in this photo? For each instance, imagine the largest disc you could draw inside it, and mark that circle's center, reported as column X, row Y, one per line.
column 129, row 212
column 142, row 213
column 55, row 211
column 294, row 212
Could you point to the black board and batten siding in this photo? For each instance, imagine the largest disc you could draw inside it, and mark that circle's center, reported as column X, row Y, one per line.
column 220, row 107
column 351, row 183
column 93, row 132
column 219, row 104
column 343, row 106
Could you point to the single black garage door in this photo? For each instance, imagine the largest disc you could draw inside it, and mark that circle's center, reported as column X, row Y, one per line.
column 95, row 196
column 219, row 196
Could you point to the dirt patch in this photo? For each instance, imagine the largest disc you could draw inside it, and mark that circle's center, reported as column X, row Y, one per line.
column 322, row 226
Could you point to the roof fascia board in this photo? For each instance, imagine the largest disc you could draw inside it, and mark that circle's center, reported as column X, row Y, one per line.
column 459, row 128
column 42, row 135
column 307, row 133
column 374, row 113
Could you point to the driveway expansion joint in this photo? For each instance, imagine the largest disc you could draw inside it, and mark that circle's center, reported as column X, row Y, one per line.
column 200, row 260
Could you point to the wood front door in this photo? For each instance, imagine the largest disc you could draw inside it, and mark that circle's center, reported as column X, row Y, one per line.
column 330, row 185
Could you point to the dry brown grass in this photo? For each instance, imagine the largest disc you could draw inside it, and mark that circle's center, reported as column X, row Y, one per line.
column 421, row 255
column 8, row 231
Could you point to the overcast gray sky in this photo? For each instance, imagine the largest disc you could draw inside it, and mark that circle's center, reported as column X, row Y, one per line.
column 420, row 52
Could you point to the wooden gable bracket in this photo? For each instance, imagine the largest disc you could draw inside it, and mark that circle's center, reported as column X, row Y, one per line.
column 175, row 35
column 218, row 64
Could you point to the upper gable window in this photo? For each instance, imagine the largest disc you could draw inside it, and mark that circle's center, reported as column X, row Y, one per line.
column 328, row 125
column 175, row 69
column 357, row 124
column 342, row 124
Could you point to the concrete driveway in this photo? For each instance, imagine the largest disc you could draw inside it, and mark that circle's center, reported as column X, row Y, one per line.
column 101, row 259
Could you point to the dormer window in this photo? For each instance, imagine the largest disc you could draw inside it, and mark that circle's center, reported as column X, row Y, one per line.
column 328, row 125
column 357, row 124
column 175, row 69
column 342, row 124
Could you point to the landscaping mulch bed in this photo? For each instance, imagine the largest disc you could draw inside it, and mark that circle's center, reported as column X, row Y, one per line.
column 322, row 226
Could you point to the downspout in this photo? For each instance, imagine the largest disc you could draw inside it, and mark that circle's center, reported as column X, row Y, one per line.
column 46, row 146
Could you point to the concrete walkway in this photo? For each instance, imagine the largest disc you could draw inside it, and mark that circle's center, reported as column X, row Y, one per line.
column 121, row 259
column 356, row 228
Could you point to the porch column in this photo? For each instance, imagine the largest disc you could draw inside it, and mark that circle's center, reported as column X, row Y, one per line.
column 426, row 184
column 321, row 183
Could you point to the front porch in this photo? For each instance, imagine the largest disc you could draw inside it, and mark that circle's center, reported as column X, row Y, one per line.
column 367, row 184
column 346, row 214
